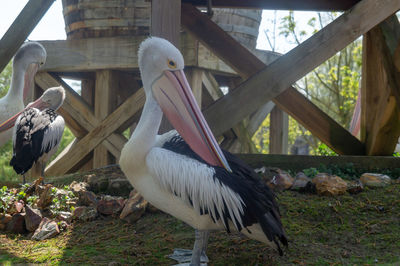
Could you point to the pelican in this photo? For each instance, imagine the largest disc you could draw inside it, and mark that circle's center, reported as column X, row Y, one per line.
column 186, row 174
column 37, row 131
column 26, row 62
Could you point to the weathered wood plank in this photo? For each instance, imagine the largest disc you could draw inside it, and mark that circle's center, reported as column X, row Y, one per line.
column 258, row 117
column 102, row 53
column 166, row 20
column 380, row 118
column 98, row 134
column 300, row 162
column 278, row 132
column 104, row 104
column 310, row 5
column 194, row 76
column 21, row 28
column 224, row 113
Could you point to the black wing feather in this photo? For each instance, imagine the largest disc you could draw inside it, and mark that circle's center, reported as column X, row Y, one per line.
column 30, row 132
column 260, row 205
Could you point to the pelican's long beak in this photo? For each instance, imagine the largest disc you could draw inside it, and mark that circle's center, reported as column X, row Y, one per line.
column 173, row 94
column 39, row 104
column 28, row 78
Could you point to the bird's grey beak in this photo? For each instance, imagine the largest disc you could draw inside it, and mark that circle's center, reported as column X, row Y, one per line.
column 29, row 78
column 39, row 104
column 173, row 93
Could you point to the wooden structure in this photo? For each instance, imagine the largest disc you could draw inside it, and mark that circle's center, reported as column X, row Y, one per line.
column 111, row 97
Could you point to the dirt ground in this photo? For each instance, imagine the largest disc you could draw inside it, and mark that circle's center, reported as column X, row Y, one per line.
column 349, row 229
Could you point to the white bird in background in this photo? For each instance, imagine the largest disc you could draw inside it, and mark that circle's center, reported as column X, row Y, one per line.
column 37, row 132
column 187, row 175
column 26, row 62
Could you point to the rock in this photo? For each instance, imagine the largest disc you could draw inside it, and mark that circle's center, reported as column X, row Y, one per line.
column 84, row 213
column 63, row 225
column 17, row 223
column 33, row 217
column 45, row 197
column 110, row 205
column 281, row 181
column 87, row 198
column 301, row 182
column 97, row 183
column 134, row 208
column 64, row 216
column 375, row 180
column 47, row 229
column 19, row 205
column 4, row 220
column 119, row 187
column 329, row 185
column 76, row 187
column 355, row 187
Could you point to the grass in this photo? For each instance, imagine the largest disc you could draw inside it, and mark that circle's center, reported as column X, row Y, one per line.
column 350, row 229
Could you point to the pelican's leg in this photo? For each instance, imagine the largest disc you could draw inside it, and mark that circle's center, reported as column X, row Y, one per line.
column 200, row 247
column 195, row 256
column 23, row 179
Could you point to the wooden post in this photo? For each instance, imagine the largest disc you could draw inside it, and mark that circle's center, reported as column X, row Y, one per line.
column 104, row 104
column 380, row 116
column 166, row 20
column 194, row 76
column 166, row 23
column 278, row 132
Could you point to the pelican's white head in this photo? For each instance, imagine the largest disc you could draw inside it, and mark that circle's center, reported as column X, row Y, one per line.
column 26, row 62
column 52, row 98
column 161, row 67
column 157, row 55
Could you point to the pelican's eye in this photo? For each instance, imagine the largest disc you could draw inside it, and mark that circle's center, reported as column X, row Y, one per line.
column 171, row 64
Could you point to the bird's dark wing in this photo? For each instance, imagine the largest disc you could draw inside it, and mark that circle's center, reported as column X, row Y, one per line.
column 259, row 204
column 35, row 133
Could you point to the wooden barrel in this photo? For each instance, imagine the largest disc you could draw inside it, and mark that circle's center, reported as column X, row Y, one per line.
column 106, row 18
column 241, row 24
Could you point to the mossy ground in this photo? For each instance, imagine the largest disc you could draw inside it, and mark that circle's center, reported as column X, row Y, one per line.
column 358, row 229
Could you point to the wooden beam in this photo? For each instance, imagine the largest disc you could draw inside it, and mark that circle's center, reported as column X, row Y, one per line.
column 75, row 107
column 380, row 117
column 258, row 117
column 194, row 76
column 278, row 132
column 166, row 20
column 120, row 53
column 306, row 5
column 21, row 28
column 104, row 104
column 280, row 74
column 300, row 162
column 99, row 134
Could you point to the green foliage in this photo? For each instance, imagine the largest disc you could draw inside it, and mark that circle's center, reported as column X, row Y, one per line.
column 324, row 150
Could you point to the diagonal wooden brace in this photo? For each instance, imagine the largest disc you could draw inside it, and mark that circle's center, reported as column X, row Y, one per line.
column 101, row 132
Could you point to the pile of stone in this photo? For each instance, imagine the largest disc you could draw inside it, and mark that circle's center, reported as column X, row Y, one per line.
column 43, row 211
column 322, row 183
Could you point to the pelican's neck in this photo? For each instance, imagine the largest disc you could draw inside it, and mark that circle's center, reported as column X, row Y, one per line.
column 17, row 84
column 144, row 136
